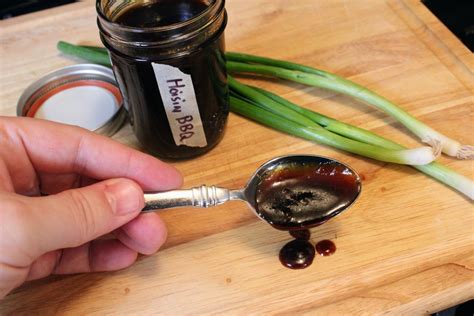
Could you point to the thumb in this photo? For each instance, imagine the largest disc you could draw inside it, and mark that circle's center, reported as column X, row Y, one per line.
column 74, row 217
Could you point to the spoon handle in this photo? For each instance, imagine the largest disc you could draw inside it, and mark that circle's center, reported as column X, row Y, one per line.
column 203, row 196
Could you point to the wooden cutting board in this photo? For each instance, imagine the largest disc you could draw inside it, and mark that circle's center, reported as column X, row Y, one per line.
column 406, row 245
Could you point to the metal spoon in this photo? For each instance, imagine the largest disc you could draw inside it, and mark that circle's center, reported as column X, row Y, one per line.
column 333, row 187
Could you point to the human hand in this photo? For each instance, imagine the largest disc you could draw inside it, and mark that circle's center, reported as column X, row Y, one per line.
column 56, row 234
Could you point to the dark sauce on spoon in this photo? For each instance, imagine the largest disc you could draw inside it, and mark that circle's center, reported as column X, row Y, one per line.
column 297, row 196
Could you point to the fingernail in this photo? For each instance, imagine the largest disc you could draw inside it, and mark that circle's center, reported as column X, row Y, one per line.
column 124, row 196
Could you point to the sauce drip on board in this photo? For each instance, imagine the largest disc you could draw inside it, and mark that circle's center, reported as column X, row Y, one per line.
column 325, row 248
column 297, row 196
column 299, row 253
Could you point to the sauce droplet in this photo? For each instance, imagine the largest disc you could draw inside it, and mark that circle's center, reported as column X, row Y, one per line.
column 325, row 248
column 297, row 254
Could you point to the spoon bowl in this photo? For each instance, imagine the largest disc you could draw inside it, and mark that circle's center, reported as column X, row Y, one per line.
column 289, row 192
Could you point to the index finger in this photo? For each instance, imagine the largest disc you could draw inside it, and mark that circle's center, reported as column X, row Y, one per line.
column 58, row 148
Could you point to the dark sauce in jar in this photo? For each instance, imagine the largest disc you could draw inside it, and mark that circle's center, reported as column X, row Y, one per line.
column 161, row 13
column 174, row 119
column 298, row 196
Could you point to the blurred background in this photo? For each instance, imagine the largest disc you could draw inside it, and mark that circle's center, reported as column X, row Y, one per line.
column 457, row 15
column 11, row 8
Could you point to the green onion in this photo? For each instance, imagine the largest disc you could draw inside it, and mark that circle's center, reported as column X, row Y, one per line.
column 290, row 121
column 102, row 50
column 243, row 63
column 95, row 55
column 334, row 125
column 250, row 109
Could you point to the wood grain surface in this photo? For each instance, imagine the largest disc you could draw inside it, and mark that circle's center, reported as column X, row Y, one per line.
column 405, row 247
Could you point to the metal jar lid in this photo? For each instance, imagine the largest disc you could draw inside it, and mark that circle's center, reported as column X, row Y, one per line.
column 85, row 95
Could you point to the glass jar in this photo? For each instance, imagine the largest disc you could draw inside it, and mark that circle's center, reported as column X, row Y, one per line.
column 168, row 59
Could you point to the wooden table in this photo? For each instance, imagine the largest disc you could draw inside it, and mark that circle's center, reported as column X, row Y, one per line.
column 406, row 247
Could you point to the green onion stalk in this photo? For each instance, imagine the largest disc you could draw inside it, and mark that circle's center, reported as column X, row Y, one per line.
column 96, row 55
column 243, row 63
column 276, row 112
column 245, row 106
column 311, row 130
